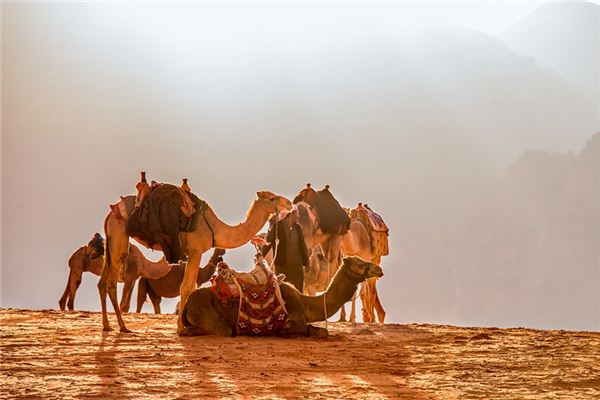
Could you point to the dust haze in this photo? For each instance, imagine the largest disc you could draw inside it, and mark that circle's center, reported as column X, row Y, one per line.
column 474, row 138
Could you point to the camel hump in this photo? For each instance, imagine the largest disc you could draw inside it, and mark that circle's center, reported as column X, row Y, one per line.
column 307, row 195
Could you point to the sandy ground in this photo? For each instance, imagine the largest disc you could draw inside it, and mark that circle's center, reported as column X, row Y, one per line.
column 52, row 354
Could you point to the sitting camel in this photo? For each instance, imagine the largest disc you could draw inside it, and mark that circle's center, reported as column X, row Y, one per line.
column 209, row 231
column 168, row 285
column 89, row 259
column 204, row 314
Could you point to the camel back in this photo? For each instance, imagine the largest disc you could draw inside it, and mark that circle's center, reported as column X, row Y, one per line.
column 376, row 227
column 332, row 218
column 164, row 212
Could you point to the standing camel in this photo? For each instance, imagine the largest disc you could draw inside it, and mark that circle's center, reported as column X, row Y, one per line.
column 359, row 241
column 314, row 236
column 89, row 259
column 168, row 285
column 209, row 231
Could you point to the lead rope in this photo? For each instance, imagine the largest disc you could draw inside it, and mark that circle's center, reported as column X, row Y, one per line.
column 325, row 293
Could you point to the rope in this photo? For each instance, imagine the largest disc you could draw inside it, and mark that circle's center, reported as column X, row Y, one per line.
column 325, row 293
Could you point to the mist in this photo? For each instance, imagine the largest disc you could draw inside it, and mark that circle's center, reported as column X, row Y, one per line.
column 477, row 151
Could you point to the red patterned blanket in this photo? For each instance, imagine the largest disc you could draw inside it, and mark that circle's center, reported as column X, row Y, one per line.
column 261, row 312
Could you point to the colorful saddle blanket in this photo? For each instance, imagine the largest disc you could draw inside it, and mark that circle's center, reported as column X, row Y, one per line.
column 377, row 228
column 375, row 221
column 261, row 308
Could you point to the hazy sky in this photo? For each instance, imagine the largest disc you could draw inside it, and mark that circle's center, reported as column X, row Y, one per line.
column 415, row 108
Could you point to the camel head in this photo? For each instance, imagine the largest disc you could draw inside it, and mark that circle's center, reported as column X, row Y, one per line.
column 272, row 202
column 95, row 247
column 359, row 270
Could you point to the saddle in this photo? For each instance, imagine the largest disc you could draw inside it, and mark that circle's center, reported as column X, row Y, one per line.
column 261, row 309
column 376, row 227
column 163, row 212
column 332, row 219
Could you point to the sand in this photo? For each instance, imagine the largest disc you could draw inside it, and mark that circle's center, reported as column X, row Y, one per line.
column 52, row 354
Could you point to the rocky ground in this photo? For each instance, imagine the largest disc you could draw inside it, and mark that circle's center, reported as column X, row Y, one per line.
column 52, row 354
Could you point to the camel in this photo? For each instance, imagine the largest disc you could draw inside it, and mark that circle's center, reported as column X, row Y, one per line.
column 357, row 242
column 204, row 314
column 168, row 285
column 138, row 266
column 313, row 236
column 316, row 277
column 209, row 232
column 89, row 259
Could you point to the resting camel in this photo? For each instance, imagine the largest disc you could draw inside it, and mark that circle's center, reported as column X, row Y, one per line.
column 209, row 232
column 168, row 285
column 204, row 314
column 89, row 258
column 357, row 242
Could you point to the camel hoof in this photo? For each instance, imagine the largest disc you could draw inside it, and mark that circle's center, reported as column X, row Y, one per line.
column 342, row 319
column 125, row 330
column 107, row 329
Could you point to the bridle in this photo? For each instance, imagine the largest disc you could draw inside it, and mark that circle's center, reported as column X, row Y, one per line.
column 353, row 279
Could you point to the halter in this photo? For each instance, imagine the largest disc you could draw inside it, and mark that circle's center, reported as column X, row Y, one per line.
column 362, row 278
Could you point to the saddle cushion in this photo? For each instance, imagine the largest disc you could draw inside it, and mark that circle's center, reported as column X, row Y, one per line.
column 261, row 310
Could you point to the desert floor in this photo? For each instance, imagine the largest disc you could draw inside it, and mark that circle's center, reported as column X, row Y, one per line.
column 52, row 354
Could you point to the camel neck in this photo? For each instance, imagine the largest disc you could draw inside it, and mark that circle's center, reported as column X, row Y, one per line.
column 228, row 236
column 339, row 292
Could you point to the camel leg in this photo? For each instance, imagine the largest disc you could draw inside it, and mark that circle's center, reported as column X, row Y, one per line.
column 365, row 303
column 74, row 282
column 155, row 299
column 342, row 314
column 378, row 307
column 126, row 297
column 367, row 298
column 141, row 295
column 353, row 309
column 103, row 292
column 112, row 294
column 63, row 300
column 117, row 247
column 188, row 285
